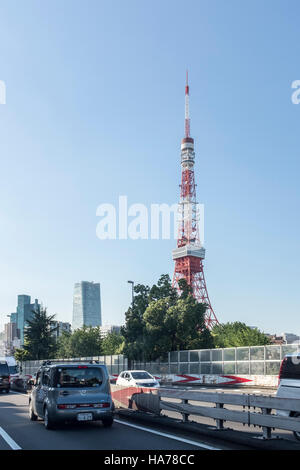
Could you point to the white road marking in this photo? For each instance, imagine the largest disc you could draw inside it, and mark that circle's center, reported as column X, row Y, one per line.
column 169, row 436
column 12, row 444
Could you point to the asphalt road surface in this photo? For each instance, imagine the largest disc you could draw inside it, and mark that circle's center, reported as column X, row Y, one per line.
column 18, row 432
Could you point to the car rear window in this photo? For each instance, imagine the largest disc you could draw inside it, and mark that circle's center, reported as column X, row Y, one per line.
column 4, row 369
column 72, row 377
column 291, row 368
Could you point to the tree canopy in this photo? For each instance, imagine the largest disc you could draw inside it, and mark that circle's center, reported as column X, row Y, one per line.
column 159, row 321
column 227, row 335
column 113, row 343
column 39, row 342
column 83, row 342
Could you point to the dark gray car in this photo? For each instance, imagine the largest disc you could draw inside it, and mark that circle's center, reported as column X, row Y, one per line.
column 4, row 377
column 71, row 392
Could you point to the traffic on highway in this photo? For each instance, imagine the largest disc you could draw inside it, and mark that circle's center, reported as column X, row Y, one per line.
column 70, row 406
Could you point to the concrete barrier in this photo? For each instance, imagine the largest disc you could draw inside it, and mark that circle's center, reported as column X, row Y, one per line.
column 205, row 379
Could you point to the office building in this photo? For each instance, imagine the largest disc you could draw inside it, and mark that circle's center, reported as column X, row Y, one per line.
column 25, row 312
column 60, row 327
column 107, row 329
column 86, row 305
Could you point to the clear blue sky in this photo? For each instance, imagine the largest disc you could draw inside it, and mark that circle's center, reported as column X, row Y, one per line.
column 95, row 109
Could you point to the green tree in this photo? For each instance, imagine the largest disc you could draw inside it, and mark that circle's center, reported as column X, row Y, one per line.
column 227, row 335
column 39, row 342
column 84, row 342
column 134, row 329
column 64, row 345
column 174, row 326
column 113, row 343
column 159, row 321
column 21, row 355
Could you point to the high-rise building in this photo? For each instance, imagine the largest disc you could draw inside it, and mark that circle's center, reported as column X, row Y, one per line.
column 107, row 329
column 25, row 312
column 60, row 328
column 86, row 305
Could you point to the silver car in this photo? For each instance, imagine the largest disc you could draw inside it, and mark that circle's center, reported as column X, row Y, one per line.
column 289, row 384
column 71, row 392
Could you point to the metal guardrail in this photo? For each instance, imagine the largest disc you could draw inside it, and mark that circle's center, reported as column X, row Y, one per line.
column 264, row 419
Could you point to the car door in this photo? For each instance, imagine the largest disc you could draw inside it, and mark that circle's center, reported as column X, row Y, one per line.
column 35, row 391
column 131, row 380
column 126, row 379
column 120, row 380
column 42, row 391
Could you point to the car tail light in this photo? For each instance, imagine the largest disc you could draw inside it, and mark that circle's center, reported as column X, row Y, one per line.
column 66, row 407
column 82, row 367
column 83, row 405
column 281, row 369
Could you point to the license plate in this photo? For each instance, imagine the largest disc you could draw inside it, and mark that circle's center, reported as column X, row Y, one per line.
column 84, row 417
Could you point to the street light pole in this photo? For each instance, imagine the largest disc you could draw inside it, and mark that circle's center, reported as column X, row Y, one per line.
column 132, row 291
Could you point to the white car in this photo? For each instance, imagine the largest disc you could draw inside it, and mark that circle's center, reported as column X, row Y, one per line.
column 137, row 378
column 289, row 384
column 12, row 365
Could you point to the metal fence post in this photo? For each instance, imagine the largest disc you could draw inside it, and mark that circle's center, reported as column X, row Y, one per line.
column 220, row 422
column 185, row 416
column 267, row 432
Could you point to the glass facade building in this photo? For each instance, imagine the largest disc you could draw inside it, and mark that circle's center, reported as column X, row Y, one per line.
column 86, row 305
column 25, row 312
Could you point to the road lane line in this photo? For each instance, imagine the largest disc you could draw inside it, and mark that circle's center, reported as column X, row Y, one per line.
column 169, row 436
column 9, row 440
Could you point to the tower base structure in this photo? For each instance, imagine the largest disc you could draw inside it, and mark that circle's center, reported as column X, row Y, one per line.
column 189, row 266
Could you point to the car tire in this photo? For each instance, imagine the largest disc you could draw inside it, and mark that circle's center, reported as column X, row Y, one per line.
column 49, row 424
column 107, row 422
column 32, row 415
column 7, row 390
column 297, row 433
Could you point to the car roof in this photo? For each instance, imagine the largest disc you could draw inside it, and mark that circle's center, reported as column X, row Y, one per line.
column 76, row 364
column 137, row 370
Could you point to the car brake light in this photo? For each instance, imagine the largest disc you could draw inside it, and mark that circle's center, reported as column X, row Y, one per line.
column 66, row 407
column 82, row 367
column 83, row 405
column 281, row 369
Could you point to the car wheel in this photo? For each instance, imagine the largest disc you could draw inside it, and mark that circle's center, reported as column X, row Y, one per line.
column 49, row 424
column 107, row 422
column 32, row 415
column 7, row 390
column 297, row 433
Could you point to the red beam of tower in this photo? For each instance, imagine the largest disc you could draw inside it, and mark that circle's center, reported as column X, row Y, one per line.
column 189, row 254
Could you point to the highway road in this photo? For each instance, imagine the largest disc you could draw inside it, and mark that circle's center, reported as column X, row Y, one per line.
column 18, row 432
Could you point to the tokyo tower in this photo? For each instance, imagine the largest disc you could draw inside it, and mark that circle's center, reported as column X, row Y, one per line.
column 189, row 254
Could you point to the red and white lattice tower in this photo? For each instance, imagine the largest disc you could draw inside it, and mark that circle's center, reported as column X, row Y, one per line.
column 189, row 254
